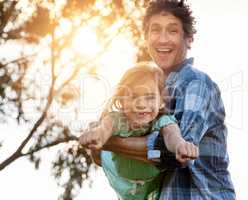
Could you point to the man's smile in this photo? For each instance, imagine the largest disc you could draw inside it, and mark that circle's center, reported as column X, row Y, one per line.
column 164, row 50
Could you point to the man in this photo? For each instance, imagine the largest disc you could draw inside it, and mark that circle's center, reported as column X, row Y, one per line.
column 195, row 102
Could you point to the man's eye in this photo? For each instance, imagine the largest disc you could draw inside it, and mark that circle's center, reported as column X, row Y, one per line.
column 173, row 31
column 155, row 30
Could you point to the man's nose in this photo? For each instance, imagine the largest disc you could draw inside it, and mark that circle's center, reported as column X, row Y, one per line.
column 163, row 37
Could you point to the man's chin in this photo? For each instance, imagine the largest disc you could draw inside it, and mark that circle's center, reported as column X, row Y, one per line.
column 163, row 64
column 167, row 67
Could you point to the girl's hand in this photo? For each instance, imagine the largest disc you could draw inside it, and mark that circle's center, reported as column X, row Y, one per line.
column 92, row 139
column 98, row 134
column 186, row 151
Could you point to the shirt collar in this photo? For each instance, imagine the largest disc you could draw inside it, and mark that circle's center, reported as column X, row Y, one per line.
column 173, row 76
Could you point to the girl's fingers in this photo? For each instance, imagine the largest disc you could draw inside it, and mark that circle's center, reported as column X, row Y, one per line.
column 192, row 151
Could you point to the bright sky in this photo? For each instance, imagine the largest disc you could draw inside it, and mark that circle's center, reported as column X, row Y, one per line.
column 220, row 49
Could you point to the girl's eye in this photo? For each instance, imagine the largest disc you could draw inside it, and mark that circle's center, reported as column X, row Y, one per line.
column 151, row 97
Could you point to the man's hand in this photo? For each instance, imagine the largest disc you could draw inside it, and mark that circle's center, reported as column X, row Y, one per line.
column 186, row 151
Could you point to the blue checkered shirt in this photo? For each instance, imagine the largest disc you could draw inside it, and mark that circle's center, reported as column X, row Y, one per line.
column 196, row 103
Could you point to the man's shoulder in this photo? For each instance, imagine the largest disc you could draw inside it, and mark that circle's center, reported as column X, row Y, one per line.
column 191, row 74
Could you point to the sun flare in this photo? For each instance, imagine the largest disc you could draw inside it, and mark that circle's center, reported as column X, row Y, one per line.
column 85, row 42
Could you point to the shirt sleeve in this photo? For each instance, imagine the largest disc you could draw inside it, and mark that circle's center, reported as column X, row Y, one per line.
column 164, row 121
column 158, row 153
column 195, row 112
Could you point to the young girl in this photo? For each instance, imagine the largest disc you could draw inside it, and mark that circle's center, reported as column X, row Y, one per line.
column 136, row 109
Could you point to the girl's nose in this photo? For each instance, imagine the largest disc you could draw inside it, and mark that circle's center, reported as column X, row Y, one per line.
column 140, row 104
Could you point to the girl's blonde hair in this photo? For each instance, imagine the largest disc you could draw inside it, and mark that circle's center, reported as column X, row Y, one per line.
column 140, row 72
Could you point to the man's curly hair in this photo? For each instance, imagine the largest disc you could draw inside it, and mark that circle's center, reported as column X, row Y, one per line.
column 177, row 8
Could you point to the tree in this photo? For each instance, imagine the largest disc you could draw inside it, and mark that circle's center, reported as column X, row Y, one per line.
column 33, row 86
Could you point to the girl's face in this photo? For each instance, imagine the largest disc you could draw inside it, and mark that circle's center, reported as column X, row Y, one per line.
column 141, row 102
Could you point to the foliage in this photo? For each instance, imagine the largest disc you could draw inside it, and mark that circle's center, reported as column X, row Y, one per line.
column 34, row 80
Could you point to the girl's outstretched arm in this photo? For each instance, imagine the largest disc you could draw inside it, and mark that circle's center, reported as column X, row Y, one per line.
column 97, row 136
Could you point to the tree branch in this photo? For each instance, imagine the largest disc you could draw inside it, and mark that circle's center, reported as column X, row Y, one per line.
column 7, row 16
column 18, row 60
column 17, row 154
column 58, row 141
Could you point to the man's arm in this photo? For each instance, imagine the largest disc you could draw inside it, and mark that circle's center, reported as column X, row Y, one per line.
column 194, row 122
column 136, row 147
column 132, row 147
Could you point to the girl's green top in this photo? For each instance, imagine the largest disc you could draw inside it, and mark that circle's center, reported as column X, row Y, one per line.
column 132, row 179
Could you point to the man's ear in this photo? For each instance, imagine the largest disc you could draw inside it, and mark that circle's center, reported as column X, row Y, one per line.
column 189, row 41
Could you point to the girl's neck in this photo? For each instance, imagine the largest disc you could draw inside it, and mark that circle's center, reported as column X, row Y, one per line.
column 134, row 126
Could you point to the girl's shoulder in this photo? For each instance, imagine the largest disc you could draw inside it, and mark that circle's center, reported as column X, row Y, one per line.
column 162, row 121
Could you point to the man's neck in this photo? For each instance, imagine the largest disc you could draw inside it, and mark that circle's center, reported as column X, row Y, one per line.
column 175, row 68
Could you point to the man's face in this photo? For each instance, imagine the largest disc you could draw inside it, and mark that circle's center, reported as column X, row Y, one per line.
column 166, row 41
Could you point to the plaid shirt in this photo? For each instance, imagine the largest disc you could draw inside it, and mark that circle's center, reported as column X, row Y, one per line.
column 196, row 103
